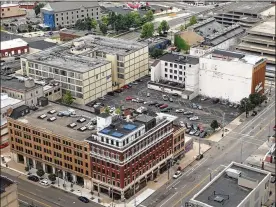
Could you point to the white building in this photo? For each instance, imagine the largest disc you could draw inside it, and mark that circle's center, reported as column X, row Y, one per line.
column 244, row 187
column 174, row 73
column 7, row 104
column 231, row 75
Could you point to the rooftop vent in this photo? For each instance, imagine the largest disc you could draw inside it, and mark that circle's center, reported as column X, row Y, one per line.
column 43, row 116
column 52, row 111
column 72, row 125
column 52, row 119
column 82, row 129
column 218, row 199
column 81, row 120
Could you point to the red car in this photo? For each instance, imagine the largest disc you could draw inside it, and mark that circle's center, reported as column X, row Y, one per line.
column 125, row 87
column 163, row 106
column 129, row 98
column 274, row 128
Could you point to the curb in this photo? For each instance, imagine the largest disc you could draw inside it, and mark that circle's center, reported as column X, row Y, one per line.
column 14, row 170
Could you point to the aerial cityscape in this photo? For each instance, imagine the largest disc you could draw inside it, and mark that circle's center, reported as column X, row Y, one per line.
column 138, row 104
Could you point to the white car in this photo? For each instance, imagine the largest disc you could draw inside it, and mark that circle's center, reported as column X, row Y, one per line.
column 177, row 174
column 134, row 83
column 182, row 123
column 194, row 118
column 179, row 110
column 44, row 182
column 134, row 100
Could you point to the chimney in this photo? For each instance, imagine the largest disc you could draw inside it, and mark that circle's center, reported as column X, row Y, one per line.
column 29, row 83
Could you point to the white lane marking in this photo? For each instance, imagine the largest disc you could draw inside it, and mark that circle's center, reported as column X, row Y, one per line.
column 246, row 141
column 176, row 183
column 169, row 199
column 198, row 166
column 23, row 202
column 184, row 186
column 142, row 205
column 223, row 165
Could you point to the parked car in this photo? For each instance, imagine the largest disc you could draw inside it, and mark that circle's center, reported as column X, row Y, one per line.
column 33, row 178
column 188, row 112
column 197, row 133
column 179, row 110
column 192, row 132
column 111, row 93
column 272, row 179
column 138, row 100
column 199, row 107
column 153, row 103
column 118, row 91
column 125, row 87
column 44, row 182
column 175, row 94
column 148, row 94
column 203, row 134
column 187, row 130
column 163, row 106
column 194, row 106
column 188, row 125
column 254, row 113
column 182, row 123
column 102, row 98
column 168, row 109
column 215, row 100
column 83, row 199
column 141, row 109
column 203, row 98
column 171, row 100
column 165, row 97
column 129, row 98
column 177, row 174
column 159, row 104
column 194, row 118
column 134, row 83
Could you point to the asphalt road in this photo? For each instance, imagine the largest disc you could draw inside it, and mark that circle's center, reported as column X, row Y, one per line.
column 39, row 196
column 235, row 146
column 209, row 113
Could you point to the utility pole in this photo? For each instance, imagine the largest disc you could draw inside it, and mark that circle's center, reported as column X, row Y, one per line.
column 245, row 109
column 241, row 147
column 223, row 124
column 199, row 146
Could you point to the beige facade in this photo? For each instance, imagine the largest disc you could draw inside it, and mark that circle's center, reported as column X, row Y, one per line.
column 11, row 10
column 9, row 197
column 178, row 141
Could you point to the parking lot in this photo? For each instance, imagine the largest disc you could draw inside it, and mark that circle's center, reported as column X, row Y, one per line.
column 208, row 113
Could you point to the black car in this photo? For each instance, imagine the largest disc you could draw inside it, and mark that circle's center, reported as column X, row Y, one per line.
column 118, row 90
column 110, row 93
column 33, row 178
column 203, row 134
column 197, row 133
column 153, row 103
column 215, row 100
column 83, row 199
column 174, row 94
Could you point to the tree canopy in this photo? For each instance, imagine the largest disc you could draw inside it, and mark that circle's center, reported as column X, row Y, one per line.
column 86, row 24
column 147, row 30
column 214, row 125
column 163, row 27
column 40, row 172
column 67, row 98
column 155, row 53
column 193, row 20
column 38, row 7
column 181, row 43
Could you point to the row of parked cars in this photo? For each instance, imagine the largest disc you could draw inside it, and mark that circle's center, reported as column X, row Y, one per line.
column 193, row 129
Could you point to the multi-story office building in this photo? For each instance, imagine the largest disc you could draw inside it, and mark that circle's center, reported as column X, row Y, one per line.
column 86, row 78
column 174, row 73
column 260, row 40
column 125, row 154
column 53, row 140
column 178, row 141
column 237, row 185
column 231, row 75
column 55, row 14
column 90, row 66
column 9, row 197
column 26, row 90
column 7, row 105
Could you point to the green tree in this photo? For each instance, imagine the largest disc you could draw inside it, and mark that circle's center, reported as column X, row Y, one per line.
column 163, row 27
column 182, row 27
column 107, row 110
column 30, row 28
column 155, row 53
column 103, row 28
column 52, row 177
column 180, row 43
column 105, row 20
column 255, row 99
column 118, row 111
column 27, row 168
column 193, row 20
column 93, row 23
column 149, row 15
column 246, row 105
column 40, row 172
column 147, row 30
column 80, row 25
column 67, row 98
column 214, row 125
column 112, row 17
column 38, row 7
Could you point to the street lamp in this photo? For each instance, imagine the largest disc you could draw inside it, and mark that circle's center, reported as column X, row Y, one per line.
column 210, row 173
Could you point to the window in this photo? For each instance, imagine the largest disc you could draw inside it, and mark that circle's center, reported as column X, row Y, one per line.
column 166, row 75
column 171, row 64
column 175, row 77
column 166, row 64
column 180, row 72
column 170, row 76
column 175, row 72
column 166, row 69
column 180, row 66
column 175, row 65
column 180, row 78
column 171, row 71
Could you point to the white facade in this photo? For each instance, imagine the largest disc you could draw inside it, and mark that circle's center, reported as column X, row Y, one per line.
column 224, row 79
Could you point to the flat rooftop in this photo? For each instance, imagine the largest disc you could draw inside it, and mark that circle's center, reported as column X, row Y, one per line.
column 234, row 56
column 180, row 59
column 16, row 84
column 15, row 43
column 8, row 101
column 228, row 188
column 60, row 126
column 120, row 128
column 265, row 28
column 4, row 183
column 249, row 7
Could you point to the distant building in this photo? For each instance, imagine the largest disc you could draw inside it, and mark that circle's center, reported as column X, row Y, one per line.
column 13, row 47
column 26, row 90
column 9, row 197
column 175, row 74
column 27, row 5
column 244, row 13
column 231, row 75
column 67, row 34
column 237, row 185
column 89, row 66
column 178, row 142
column 11, row 11
column 260, row 40
column 208, row 35
column 7, row 105
column 126, row 154
column 56, row 14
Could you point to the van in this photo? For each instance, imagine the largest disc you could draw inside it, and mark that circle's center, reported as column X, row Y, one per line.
column 163, row 106
column 232, row 173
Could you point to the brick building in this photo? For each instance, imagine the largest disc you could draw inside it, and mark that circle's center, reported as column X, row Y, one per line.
column 14, row 47
column 125, row 154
